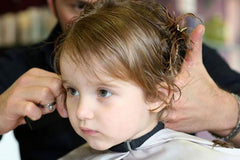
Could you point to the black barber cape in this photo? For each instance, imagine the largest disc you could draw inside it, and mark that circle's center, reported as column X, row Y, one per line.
column 52, row 136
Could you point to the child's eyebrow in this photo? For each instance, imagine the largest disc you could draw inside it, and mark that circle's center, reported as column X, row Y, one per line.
column 64, row 81
column 99, row 82
column 105, row 83
column 108, row 85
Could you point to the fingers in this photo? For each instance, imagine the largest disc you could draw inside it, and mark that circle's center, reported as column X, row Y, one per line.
column 45, row 80
column 21, row 99
column 41, row 72
column 35, row 87
column 195, row 54
column 30, row 110
column 193, row 57
column 37, row 94
column 55, row 86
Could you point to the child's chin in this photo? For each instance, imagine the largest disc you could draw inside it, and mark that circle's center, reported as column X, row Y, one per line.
column 99, row 147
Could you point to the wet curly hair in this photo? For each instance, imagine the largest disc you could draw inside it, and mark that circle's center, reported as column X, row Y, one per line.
column 132, row 40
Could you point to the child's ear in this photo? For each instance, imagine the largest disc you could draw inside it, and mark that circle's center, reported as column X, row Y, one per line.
column 159, row 104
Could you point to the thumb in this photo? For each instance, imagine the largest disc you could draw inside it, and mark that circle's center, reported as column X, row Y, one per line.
column 194, row 55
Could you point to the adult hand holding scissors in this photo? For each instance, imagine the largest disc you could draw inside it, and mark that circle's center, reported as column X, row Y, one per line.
column 35, row 87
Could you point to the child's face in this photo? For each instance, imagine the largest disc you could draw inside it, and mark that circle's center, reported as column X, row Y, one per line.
column 106, row 112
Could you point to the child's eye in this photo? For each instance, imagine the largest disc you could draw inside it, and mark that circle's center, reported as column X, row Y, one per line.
column 81, row 5
column 104, row 93
column 78, row 6
column 72, row 91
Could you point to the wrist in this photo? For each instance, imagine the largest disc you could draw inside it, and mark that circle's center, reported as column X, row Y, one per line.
column 233, row 128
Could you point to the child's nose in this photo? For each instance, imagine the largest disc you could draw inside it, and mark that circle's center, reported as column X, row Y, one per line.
column 84, row 111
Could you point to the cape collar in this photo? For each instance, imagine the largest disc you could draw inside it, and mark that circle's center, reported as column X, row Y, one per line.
column 133, row 144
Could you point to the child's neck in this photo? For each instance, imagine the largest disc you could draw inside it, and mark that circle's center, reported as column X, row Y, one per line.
column 133, row 144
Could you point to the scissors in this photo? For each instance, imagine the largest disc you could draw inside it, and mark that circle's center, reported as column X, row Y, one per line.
column 50, row 106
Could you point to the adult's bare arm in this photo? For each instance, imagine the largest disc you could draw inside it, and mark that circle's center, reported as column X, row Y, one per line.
column 36, row 86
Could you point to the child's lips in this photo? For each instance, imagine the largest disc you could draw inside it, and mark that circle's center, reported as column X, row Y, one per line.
column 88, row 131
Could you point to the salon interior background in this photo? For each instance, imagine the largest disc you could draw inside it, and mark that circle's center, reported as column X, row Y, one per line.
column 24, row 22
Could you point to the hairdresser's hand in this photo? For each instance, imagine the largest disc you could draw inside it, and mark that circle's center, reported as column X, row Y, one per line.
column 202, row 105
column 34, row 87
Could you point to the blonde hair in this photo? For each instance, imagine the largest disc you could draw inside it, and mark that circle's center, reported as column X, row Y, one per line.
column 133, row 40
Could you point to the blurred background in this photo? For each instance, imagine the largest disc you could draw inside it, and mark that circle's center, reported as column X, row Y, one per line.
column 24, row 22
column 221, row 19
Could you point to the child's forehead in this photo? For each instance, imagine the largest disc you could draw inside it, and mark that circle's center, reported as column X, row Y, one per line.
column 92, row 68
column 93, row 77
column 98, row 77
column 96, row 62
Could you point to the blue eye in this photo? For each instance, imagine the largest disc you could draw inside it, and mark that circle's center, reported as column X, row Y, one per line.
column 104, row 93
column 73, row 91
